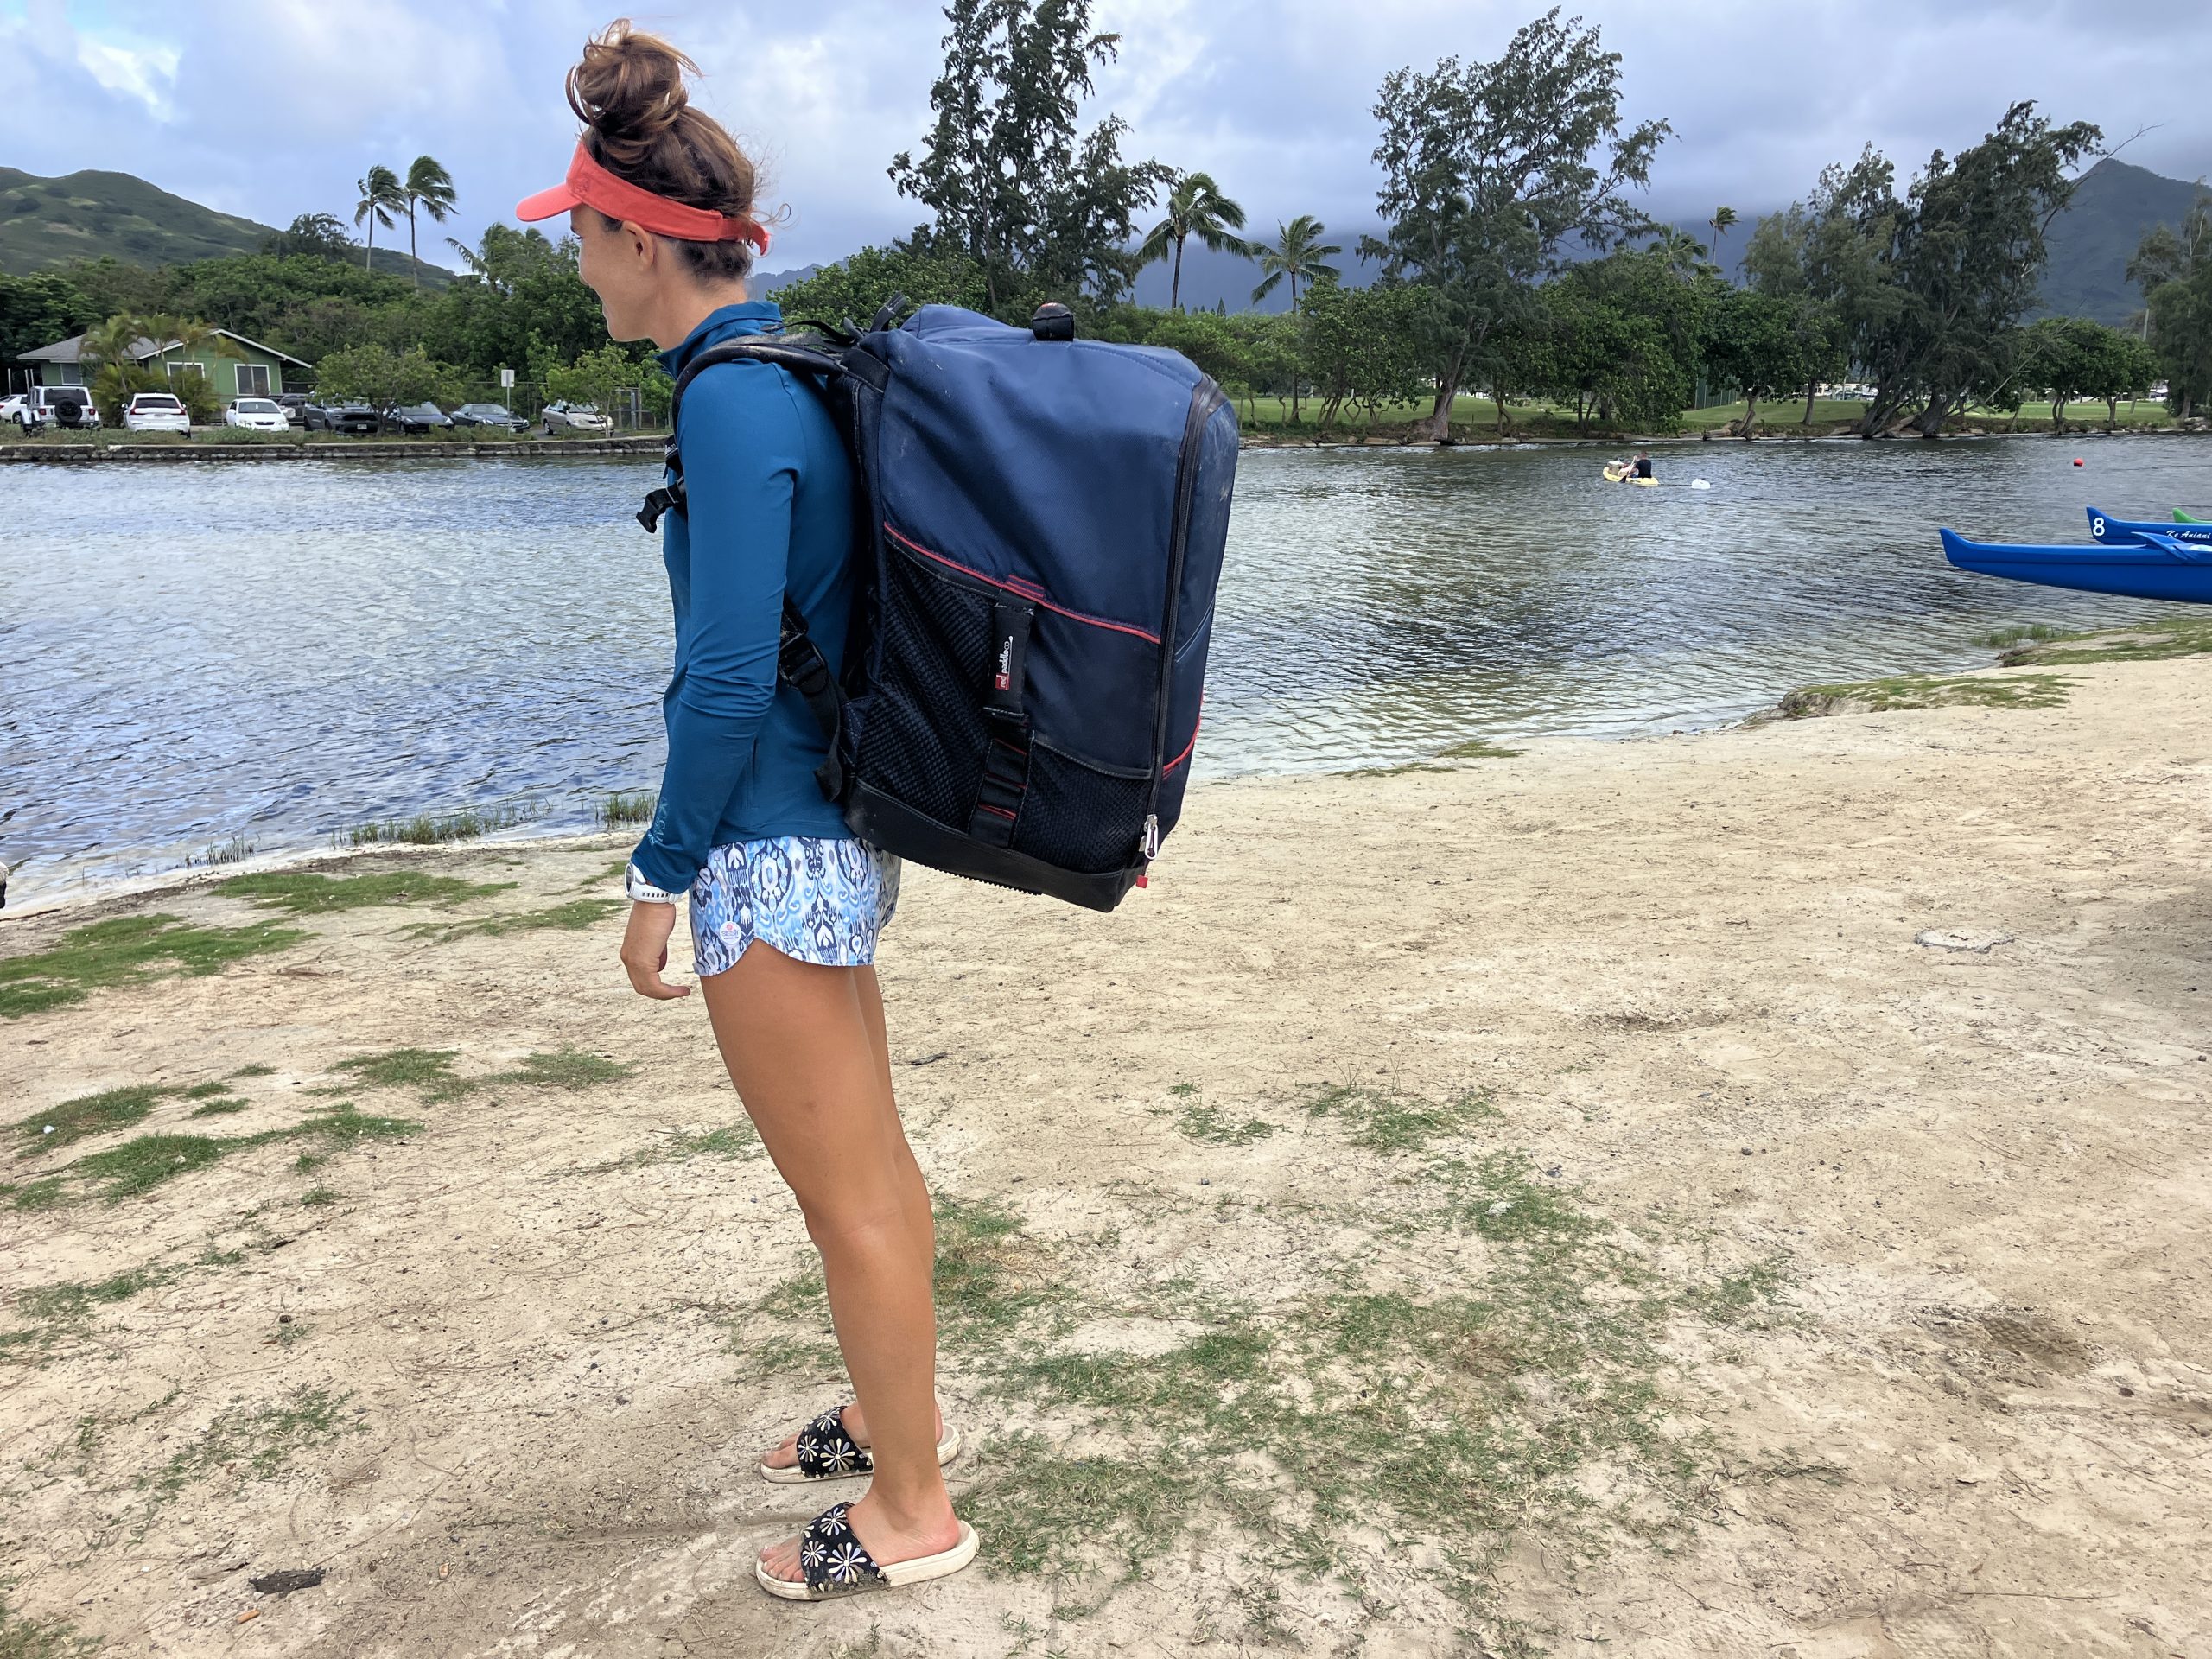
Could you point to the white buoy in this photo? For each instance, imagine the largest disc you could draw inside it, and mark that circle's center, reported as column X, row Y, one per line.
column 1700, row 484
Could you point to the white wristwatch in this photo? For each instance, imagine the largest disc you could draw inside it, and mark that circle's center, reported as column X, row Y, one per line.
column 643, row 891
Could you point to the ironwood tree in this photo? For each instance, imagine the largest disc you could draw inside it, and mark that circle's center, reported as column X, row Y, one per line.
column 1491, row 172
column 1045, row 209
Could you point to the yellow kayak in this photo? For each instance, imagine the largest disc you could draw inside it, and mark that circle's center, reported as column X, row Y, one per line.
column 1617, row 474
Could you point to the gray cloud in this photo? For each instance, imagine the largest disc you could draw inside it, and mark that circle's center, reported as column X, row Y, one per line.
column 271, row 108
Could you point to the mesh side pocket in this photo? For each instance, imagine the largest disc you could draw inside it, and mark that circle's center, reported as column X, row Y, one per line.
column 1080, row 820
column 924, row 741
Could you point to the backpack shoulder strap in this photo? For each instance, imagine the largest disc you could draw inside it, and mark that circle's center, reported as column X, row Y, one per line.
column 799, row 662
column 819, row 365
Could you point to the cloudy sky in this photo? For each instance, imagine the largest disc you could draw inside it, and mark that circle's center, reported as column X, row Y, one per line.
column 270, row 108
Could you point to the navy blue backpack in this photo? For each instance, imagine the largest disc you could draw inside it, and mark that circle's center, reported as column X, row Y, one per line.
column 1042, row 524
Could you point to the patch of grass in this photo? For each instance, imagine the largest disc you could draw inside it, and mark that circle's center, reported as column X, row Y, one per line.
column 87, row 1115
column 1480, row 750
column 1924, row 691
column 236, row 850
column 2002, row 639
column 146, row 1161
column 739, row 1141
column 124, row 951
column 256, row 1071
column 628, row 806
column 429, row 828
column 574, row 917
column 318, row 1197
column 255, row 1442
column 217, row 1109
column 982, row 1280
column 1200, row 1121
column 566, row 1068
column 428, row 1071
column 206, row 1091
column 75, row 1301
column 143, row 1162
column 24, row 1638
column 1534, row 1398
column 304, row 893
column 341, row 1127
column 40, row 1195
column 1382, row 1121
column 2180, row 636
column 1748, row 1299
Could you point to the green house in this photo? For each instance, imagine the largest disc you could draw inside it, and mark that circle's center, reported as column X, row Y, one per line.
column 243, row 368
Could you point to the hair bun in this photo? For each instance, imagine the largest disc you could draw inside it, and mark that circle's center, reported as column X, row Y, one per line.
column 629, row 90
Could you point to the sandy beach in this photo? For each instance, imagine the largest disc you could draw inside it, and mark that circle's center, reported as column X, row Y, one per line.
column 1742, row 1194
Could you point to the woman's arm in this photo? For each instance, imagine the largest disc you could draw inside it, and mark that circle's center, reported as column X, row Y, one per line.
column 741, row 450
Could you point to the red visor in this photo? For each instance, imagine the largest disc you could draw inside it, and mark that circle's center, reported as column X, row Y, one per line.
column 592, row 185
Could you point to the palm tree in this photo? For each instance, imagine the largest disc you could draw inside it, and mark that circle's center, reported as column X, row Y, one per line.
column 382, row 195
column 1195, row 207
column 1722, row 220
column 430, row 185
column 1298, row 254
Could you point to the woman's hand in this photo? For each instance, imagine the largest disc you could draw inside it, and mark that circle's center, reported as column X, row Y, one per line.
column 644, row 951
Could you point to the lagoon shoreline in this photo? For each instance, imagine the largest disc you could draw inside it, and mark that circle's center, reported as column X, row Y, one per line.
column 1869, row 1051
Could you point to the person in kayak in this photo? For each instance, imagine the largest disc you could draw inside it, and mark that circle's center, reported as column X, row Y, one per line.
column 1642, row 467
column 785, row 904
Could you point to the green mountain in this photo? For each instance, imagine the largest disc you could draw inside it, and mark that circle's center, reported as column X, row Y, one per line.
column 47, row 223
column 2092, row 241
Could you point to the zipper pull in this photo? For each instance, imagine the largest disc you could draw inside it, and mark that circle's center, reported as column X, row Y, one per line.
column 1151, row 848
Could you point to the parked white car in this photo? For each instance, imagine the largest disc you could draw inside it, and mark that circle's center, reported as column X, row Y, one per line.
column 156, row 411
column 257, row 415
column 582, row 420
column 16, row 410
column 53, row 406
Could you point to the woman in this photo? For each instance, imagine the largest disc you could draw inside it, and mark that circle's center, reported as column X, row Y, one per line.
column 785, row 904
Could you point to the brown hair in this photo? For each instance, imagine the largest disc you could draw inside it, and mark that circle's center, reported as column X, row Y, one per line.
column 628, row 91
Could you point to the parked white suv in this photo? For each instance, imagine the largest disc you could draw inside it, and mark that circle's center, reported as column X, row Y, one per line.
column 257, row 415
column 156, row 411
column 15, row 409
column 58, row 406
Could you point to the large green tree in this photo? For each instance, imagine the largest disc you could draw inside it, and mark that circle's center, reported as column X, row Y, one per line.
column 1965, row 259
column 1490, row 170
column 1362, row 346
column 854, row 288
column 1195, row 207
column 2175, row 273
column 1753, row 345
column 1046, row 210
column 37, row 311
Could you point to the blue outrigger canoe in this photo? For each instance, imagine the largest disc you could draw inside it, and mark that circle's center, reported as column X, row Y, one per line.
column 2104, row 528
column 2154, row 565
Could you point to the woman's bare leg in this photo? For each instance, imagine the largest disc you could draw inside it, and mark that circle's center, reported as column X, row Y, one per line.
column 922, row 1223
column 803, row 1045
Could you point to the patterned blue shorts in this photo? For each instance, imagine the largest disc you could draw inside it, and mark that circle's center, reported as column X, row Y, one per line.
column 814, row 900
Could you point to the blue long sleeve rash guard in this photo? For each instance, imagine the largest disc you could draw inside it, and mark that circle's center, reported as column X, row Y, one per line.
column 770, row 508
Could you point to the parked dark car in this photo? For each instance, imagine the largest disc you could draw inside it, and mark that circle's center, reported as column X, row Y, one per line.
column 356, row 418
column 489, row 415
column 295, row 405
column 418, row 418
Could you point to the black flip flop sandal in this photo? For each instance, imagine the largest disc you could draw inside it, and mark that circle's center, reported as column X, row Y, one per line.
column 836, row 1563
column 827, row 1452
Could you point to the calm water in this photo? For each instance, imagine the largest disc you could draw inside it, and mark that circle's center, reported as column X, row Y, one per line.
column 282, row 651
